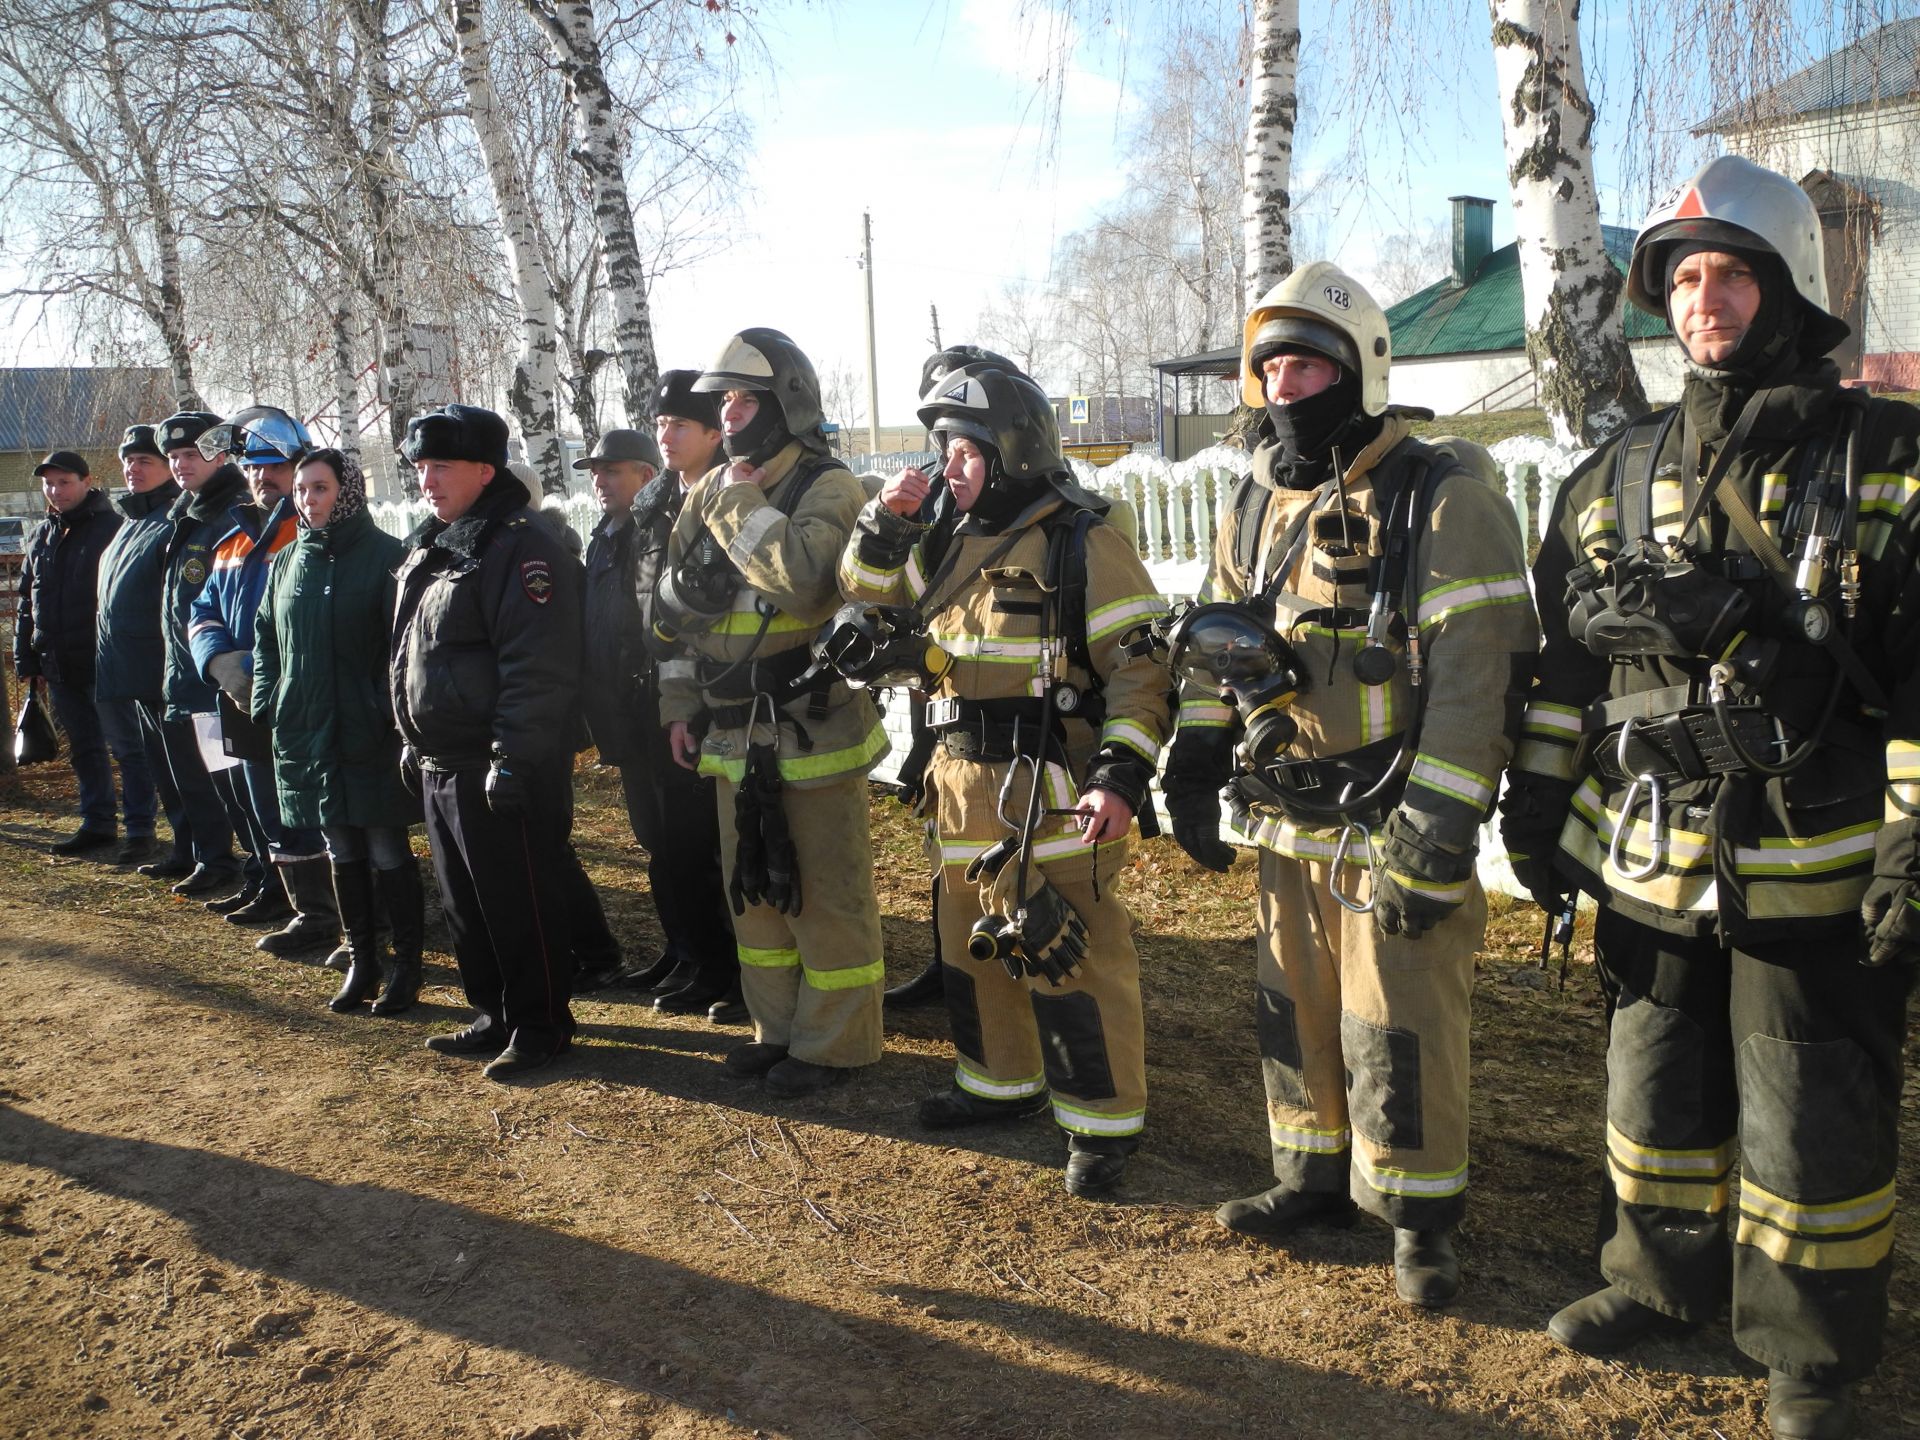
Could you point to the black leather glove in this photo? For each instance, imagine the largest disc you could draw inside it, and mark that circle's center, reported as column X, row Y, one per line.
column 410, row 771
column 1199, row 762
column 1532, row 812
column 508, row 795
column 1053, row 937
column 1417, row 881
column 1890, row 909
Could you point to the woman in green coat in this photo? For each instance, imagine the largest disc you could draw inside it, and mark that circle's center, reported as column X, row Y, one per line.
column 320, row 682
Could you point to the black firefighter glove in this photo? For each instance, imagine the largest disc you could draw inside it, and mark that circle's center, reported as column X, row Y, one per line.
column 1052, row 938
column 766, row 867
column 1891, row 907
column 1199, row 762
column 1532, row 812
column 508, row 794
column 1418, row 880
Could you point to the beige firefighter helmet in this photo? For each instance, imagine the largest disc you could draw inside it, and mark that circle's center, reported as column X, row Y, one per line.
column 1323, row 308
column 1739, row 203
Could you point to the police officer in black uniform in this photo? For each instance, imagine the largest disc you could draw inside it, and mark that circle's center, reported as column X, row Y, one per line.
column 485, row 678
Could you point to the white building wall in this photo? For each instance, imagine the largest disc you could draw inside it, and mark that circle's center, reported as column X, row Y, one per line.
column 1452, row 384
column 1877, row 149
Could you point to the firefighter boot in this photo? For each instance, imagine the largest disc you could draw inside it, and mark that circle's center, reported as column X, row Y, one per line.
column 316, row 922
column 926, row 988
column 1096, row 1162
column 957, row 1108
column 404, row 900
column 1608, row 1321
column 1425, row 1269
column 1808, row 1410
column 353, row 892
column 1275, row 1214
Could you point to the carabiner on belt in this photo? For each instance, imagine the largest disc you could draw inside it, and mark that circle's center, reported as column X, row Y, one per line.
column 1340, row 850
column 1656, row 818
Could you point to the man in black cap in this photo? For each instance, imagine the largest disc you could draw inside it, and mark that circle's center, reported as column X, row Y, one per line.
column 640, row 498
column 130, row 648
column 210, row 488
column 486, row 680
column 53, row 642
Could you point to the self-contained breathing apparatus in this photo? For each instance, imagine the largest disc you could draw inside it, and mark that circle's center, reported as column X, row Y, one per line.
column 1696, row 609
column 1239, row 651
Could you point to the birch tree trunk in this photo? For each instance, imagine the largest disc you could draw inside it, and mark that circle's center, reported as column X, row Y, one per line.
column 1265, row 205
column 346, row 374
column 1573, row 294
column 536, row 372
column 380, row 178
column 574, row 37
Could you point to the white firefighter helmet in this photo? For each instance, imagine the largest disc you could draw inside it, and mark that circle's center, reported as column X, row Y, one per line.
column 1323, row 308
column 1739, row 203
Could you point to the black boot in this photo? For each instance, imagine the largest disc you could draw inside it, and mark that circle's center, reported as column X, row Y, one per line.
column 926, row 988
column 707, row 979
column 1808, row 1410
column 316, row 922
column 1275, row 1214
column 1608, row 1321
column 353, row 892
column 1096, row 1162
column 1425, row 1270
column 405, row 902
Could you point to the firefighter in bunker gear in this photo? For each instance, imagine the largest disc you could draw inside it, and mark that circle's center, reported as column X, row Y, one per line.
column 1722, row 746
column 1049, row 708
column 748, row 579
column 1396, row 581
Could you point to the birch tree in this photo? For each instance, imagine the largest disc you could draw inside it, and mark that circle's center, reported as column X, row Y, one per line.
column 531, row 394
column 97, row 164
column 1573, row 292
column 1267, row 174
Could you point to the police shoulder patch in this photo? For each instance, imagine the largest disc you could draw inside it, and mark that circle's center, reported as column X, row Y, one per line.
column 537, row 580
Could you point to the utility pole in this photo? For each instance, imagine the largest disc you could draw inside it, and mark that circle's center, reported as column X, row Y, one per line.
column 934, row 310
column 873, row 367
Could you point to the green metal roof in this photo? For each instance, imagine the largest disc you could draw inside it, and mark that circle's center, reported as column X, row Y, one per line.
column 1488, row 313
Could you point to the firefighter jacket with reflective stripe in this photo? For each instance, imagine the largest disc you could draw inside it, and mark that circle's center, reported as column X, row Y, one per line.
column 1464, row 597
column 787, row 564
column 990, row 620
column 1757, row 859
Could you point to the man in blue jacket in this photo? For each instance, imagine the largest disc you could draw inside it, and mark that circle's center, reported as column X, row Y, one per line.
column 299, row 887
column 195, row 524
column 130, row 650
column 53, row 641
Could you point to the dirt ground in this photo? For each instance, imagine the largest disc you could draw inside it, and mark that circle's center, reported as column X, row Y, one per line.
column 225, row 1212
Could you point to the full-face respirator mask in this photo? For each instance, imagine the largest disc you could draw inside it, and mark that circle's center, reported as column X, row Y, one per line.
column 1644, row 604
column 1232, row 650
column 879, row 646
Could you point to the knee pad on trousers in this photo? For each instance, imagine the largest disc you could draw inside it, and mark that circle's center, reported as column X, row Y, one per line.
column 1655, row 1068
column 1383, row 1082
column 1807, row 1122
column 1279, row 1033
column 963, row 1011
column 1073, row 1045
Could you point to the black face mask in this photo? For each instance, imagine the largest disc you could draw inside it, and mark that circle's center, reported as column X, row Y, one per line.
column 1309, row 428
column 1771, row 347
column 1002, row 499
column 761, row 438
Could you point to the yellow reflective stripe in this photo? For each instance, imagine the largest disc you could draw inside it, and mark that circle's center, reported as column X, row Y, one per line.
column 1543, row 719
column 987, row 1088
column 1376, row 712
column 1307, row 1139
column 1428, row 1184
column 963, row 646
column 1599, row 525
column 1862, row 1253
column 1668, row 504
column 1675, row 845
column 1283, row 837
column 1463, row 596
column 1887, row 494
column 1205, row 712
column 743, row 622
column 767, row 959
column 1095, row 1122
column 1903, row 760
column 1454, row 780
column 856, row 574
column 1455, row 893
column 1134, row 736
column 1709, row 1163
column 1833, row 1218
column 851, row 978
column 1111, row 619
column 1791, row 855
column 963, row 852
column 1668, row 1194
column 826, row 763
